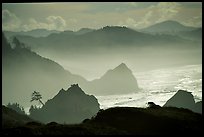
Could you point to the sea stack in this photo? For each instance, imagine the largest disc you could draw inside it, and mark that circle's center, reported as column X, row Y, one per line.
column 184, row 99
column 68, row 106
column 119, row 80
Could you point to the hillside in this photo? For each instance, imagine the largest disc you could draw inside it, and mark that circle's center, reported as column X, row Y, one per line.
column 124, row 121
column 26, row 71
column 46, row 76
column 195, row 34
column 11, row 118
column 151, row 120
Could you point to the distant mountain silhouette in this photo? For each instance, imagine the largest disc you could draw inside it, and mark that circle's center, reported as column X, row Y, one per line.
column 119, row 80
column 184, row 99
column 44, row 32
column 24, row 71
column 111, row 37
column 46, row 76
column 175, row 28
column 68, row 106
column 195, row 34
column 108, row 41
column 33, row 33
column 111, row 40
column 83, row 31
column 168, row 26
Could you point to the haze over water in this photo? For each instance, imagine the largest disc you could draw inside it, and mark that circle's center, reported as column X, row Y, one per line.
column 158, row 86
column 89, row 39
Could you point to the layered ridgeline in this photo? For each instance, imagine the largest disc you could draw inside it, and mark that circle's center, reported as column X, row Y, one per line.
column 168, row 26
column 33, row 33
column 166, row 44
column 119, row 80
column 24, row 71
column 109, row 37
column 175, row 28
column 68, row 106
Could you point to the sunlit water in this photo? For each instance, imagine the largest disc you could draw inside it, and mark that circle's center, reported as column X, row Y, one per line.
column 158, row 86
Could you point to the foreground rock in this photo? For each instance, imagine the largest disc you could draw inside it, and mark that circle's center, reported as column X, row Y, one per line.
column 71, row 106
column 184, row 99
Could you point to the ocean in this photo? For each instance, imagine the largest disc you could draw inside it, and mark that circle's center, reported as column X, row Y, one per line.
column 158, row 86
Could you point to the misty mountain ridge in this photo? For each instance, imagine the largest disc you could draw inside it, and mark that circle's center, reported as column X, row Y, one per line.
column 83, row 31
column 113, row 38
column 32, row 72
column 117, row 34
column 45, row 75
column 112, row 43
column 44, row 32
column 175, row 28
column 109, row 37
column 33, row 33
column 168, row 26
column 195, row 34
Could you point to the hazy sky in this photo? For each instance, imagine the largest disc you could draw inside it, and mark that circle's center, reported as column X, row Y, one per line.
column 73, row 16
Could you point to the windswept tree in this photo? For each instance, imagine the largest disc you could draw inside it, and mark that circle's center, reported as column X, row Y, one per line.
column 37, row 97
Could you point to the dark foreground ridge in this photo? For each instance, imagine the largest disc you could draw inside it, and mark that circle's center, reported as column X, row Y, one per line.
column 123, row 121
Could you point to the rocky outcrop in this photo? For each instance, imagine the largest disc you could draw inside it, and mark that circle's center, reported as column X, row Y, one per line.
column 68, row 106
column 119, row 80
column 198, row 107
column 184, row 99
